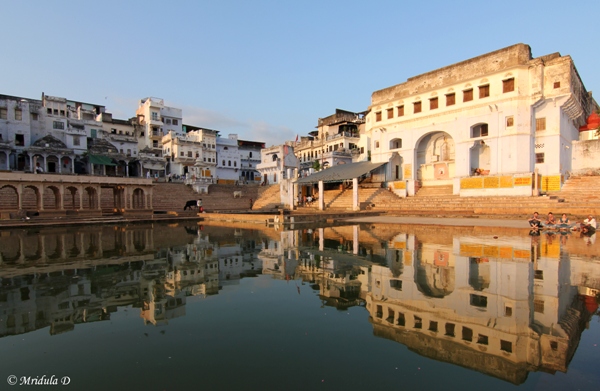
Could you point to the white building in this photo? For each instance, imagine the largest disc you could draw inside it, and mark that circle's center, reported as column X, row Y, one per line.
column 156, row 121
column 228, row 159
column 482, row 126
column 277, row 164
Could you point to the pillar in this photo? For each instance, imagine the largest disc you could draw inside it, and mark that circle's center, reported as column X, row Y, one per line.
column 355, row 231
column 321, row 238
column 355, row 204
column 321, row 200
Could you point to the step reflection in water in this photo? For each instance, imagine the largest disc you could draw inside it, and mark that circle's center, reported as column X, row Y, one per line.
column 502, row 306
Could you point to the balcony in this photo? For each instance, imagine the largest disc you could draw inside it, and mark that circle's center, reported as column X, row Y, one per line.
column 156, row 135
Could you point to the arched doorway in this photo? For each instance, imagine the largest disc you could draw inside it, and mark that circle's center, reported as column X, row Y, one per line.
column 435, row 159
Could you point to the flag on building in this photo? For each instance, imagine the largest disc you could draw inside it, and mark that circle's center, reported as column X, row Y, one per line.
column 296, row 139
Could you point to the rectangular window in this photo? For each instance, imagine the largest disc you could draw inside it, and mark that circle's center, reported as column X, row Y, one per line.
column 433, row 326
column 556, row 84
column 396, row 284
column 468, row 95
column 478, row 301
column 93, row 133
column 418, row 323
column 508, row 85
column 3, row 114
column 508, row 312
column 55, row 111
column 376, row 144
column 181, row 153
column 49, row 111
column 58, row 125
column 400, row 111
column 433, row 103
column 401, row 319
column 538, row 306
column 540, row 124
column 510, row 121
column 378, row 116
column 19, row 140
column 482, row 339
column 168, row 121
column 506, row 346
column 390, row 113
column 480, row 131
column 484, row 91
column 175, row 122
column 539, row 157
column 417, row 107
column 76, row 140
column 379, row 313
column 450, row 329
column 18, row 115
column 390, row 318
column 467, row 334
column 538, row 274
column 35, row 117
column 450, row 99
column 62, row 113
column 189, row 153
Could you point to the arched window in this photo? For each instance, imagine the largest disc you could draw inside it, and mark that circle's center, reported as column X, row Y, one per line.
column 223, row 162
column 274, row 157
column 235, row 164
column 229, row 163
column 250, row 154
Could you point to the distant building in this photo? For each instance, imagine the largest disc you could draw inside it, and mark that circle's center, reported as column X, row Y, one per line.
column 277, row 163
column 228, row 159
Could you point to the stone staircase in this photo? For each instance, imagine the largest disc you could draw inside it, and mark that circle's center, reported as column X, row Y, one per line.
column 169, row 197
column 430, row 191
column 269, row 197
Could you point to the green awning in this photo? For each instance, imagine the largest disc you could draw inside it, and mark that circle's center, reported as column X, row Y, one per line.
column 101, row 160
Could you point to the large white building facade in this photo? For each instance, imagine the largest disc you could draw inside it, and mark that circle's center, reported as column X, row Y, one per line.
column 484, row 126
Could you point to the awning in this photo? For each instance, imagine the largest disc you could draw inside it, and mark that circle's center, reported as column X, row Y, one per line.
column 153, row 166
column 101, row 160
column 341, row 172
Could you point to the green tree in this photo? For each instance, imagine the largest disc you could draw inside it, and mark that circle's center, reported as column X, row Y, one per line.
column 316, row 165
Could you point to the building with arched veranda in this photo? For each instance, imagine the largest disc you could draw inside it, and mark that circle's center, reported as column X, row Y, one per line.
column 484, row 126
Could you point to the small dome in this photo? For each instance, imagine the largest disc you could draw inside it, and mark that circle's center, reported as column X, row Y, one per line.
column 49, row 141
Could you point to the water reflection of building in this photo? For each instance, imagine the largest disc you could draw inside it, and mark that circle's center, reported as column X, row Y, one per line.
column 500, row 308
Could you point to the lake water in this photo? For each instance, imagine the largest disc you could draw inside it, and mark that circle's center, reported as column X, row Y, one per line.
column 187, row 306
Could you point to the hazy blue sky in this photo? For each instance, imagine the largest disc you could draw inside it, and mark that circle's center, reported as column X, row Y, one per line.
column 267, row 70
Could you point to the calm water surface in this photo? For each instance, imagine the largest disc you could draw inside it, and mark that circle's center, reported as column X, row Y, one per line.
column 184, row 306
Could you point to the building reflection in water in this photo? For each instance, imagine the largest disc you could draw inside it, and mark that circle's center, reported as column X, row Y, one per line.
column 503, row 307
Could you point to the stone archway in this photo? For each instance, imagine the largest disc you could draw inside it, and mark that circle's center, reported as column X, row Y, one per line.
column 52, row 198
column 9, row 198
column 435, row 159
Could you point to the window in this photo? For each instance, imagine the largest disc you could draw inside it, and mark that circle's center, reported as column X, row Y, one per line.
column 478, row 301
column 506, row 346
column 396, row 143
column 93, row 133
column 538, row 274
column 508, row 85
column 401, row 319
column 225, row 148
column 450, row 99
column 450, row 329
column 62, row 113
column 229, row 163
column 508, row 311
column 378, row 116
column 433, row 326
column 376, row 144
column 49, row 111
column 175, row 122
column 433, row 103
column 510, row 121
column 538, row 306
column 3, row 114
column 467, row 334
column 19, row 140
column 482, row 339
column 396, row 284
column 250, row 154
column 540, row 124
column 479, row 131
column 539, row 157
column 418, row 323
column 189, row 153
column 484, row 91
column 235, row 164
column 76, row 140
column 390, row 113
column 129, row 152
column 401, row 111
column 168, row 121
column 379, row 313
column 58, row 125
column 556, row 84
column 18, row 115
column 180, row 153
column 468, row 95
column 35, row 117
column 390, row 318
column 417, row 107
column 55, row 111
column 154, row 116
column 223, row 162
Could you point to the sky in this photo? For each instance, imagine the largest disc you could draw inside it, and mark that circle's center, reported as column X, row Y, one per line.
column 268, row 70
